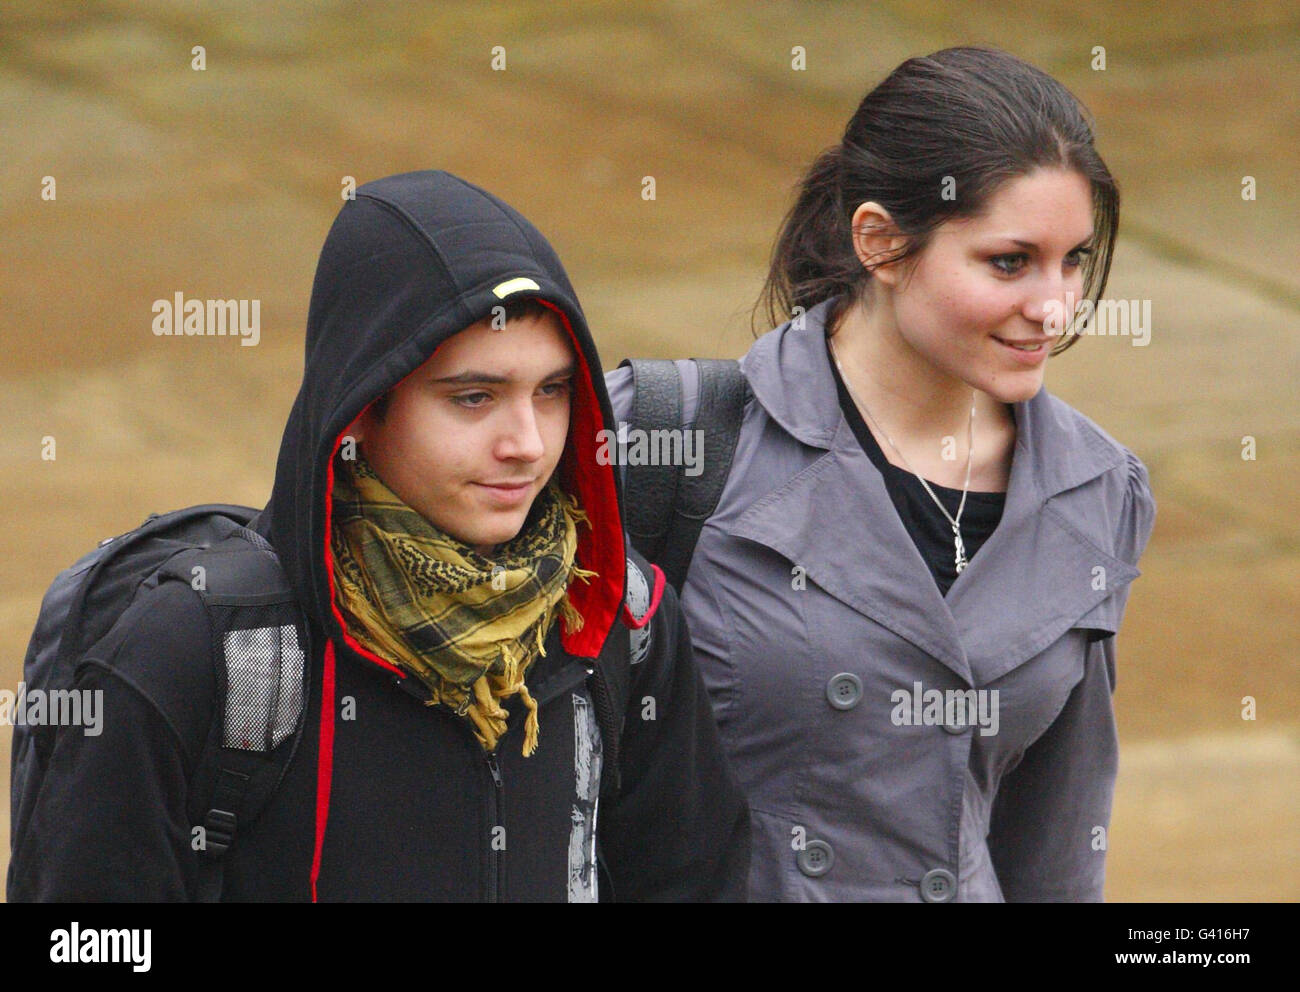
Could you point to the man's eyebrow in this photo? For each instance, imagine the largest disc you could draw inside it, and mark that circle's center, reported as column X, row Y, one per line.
column 475, row 378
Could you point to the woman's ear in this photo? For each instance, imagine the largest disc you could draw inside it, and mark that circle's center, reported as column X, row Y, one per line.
column 876, row 241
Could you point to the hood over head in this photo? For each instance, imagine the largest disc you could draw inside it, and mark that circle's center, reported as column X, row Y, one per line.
column 413, row 260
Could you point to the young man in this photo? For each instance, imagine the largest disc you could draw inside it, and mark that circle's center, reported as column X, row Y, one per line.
column 457, row 550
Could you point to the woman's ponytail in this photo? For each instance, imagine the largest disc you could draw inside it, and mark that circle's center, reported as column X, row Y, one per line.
column 813, row 258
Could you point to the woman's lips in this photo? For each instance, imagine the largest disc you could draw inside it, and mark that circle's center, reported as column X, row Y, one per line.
column 1025, row 354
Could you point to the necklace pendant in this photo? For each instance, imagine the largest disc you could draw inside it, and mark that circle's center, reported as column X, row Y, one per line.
column 960, row 549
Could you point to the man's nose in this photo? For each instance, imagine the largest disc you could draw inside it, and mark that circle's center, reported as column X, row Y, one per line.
column 521, row 438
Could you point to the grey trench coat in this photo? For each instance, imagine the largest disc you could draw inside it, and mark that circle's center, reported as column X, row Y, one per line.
column 822, row 637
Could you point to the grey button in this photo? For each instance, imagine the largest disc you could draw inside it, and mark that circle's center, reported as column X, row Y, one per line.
column 815, row 859
column 844, row 691
column 938, row 885
column 955, row 728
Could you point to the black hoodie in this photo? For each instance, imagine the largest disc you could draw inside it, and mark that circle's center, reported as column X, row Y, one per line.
column 386, row 798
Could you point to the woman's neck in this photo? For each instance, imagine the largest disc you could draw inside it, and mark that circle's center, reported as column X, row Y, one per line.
column 920, row 406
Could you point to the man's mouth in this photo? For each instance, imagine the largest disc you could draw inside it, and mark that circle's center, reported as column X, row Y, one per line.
column 506, row 494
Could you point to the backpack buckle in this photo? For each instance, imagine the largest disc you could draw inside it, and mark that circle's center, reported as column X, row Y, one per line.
column 219, row 832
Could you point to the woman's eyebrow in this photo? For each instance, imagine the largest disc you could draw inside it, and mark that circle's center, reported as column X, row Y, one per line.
column 1033, row 247
column 473, row 377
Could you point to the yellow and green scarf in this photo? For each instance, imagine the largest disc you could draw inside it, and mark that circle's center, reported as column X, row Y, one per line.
column 467, row 626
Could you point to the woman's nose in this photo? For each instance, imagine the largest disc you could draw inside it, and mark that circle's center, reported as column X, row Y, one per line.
column 1050, row 303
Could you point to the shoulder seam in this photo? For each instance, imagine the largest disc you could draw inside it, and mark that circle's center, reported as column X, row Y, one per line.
column 1094, row 434
column 106, row 664
column 126, row 680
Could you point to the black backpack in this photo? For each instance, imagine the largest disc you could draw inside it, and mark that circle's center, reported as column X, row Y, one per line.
column 260, row 665
column 261, row 657
column 667, row 508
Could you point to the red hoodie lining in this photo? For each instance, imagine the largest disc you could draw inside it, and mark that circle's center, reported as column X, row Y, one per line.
column 599, row 549
column 329, row 565
column 655, row 596
column 325, row 749
column 324, row 763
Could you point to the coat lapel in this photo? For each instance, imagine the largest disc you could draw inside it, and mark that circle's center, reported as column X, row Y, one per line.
column 836, row 521
column 1045, row 568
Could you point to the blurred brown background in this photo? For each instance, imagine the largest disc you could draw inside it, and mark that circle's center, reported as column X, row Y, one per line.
column 222, row 183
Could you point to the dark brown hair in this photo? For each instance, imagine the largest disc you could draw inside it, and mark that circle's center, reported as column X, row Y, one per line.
column 960, row 122
column 524, row 306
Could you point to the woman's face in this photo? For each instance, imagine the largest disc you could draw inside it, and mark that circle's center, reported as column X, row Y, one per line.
column 984, row 284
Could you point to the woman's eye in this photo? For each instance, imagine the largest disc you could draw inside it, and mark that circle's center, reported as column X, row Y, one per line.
column 1008, row 265
column 471, row 400
column 1076, row 257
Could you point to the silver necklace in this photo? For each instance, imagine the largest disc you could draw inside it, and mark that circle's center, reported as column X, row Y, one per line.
column 959, row 548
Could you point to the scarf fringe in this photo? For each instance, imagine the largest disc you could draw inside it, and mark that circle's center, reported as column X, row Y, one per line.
column 490, row 717
column 578, row 514
column 573, row 620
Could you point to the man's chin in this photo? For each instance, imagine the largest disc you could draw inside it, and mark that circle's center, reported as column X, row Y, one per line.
column 494, row 533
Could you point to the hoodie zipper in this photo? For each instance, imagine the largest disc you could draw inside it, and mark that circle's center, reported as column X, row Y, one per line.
column 494, row 880
column 496, row 809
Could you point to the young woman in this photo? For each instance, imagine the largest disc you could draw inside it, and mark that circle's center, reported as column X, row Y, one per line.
column 905, row 604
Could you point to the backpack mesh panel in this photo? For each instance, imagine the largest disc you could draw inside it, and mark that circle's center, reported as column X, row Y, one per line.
column 264, row 685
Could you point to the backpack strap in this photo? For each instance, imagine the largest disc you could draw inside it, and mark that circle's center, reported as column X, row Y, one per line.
column 610, row 681
column 666, row 507
column 651, row 490
column 261, row 657
column 610, row 684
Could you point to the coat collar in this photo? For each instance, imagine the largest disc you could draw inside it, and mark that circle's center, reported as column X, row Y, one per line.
column 1033, row 579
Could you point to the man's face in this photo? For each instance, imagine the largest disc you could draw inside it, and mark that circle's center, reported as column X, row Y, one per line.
column 472, row 436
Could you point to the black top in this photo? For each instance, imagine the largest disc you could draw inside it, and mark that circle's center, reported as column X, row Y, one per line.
column 921, row 518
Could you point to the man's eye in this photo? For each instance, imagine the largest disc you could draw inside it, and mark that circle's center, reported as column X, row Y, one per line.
column 471, row 400
column 557, row 388
column 1008, row 265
